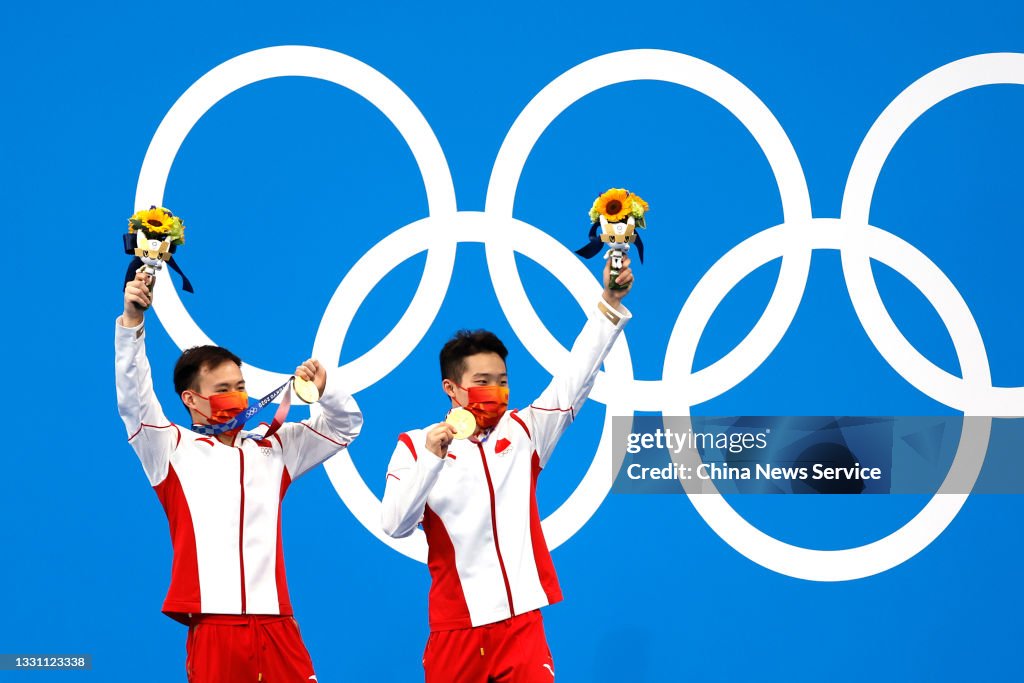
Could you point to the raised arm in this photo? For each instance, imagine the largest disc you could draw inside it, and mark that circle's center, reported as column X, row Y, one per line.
column 331, row 427
column 152, row 436
column 554, row 410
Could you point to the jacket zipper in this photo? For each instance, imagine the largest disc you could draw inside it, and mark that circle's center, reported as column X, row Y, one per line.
column 241, row 521
column 494, row 527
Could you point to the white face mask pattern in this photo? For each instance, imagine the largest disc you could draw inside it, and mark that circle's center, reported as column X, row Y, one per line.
column 502, row 235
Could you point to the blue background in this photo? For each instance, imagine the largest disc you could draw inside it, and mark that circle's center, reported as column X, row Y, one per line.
column 652, row 593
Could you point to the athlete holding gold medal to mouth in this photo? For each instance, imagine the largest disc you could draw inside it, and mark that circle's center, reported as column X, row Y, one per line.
column 221, row 487
column 471, row 480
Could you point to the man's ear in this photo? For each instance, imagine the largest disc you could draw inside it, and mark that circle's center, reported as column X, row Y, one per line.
column 188, row 398
column 448, row 387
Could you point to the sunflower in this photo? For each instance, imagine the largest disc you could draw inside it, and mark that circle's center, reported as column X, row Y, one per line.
column 614, row 204
column 153, row 219
column 157, row 220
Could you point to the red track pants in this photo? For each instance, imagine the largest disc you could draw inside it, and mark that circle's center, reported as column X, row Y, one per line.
column 225, row 648
column 510, row 651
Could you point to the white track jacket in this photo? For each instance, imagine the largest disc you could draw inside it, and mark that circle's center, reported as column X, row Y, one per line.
column 487, row 556
column 223, row 503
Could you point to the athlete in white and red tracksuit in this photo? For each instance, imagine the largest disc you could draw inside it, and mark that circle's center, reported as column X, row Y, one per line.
column 476, row 499
column 222, row 496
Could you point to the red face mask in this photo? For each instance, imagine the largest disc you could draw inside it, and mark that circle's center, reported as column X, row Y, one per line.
column 487, row 403
column 224, row 407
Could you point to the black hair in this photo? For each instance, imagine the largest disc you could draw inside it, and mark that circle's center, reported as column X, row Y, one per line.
column 467, row 343
column 193, row 360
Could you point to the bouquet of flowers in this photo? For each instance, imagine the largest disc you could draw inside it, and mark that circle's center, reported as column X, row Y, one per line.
column 614, row 217
column 617, row 205
column 156, row 222
column 153, row 236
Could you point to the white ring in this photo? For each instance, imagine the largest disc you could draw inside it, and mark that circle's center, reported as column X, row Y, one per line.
column 327, row 65
column 373, row 266
column 932, row 520
column 919, row 97
column 670, row 67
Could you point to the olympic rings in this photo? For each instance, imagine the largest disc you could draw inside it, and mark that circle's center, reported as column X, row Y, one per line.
column 794, row 242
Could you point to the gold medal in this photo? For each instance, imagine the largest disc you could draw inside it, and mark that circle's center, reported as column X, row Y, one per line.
column 305, row 390
column 463, row 421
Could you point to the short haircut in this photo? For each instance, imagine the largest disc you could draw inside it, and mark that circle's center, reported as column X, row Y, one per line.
column 194, row 360
column 468, row 343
